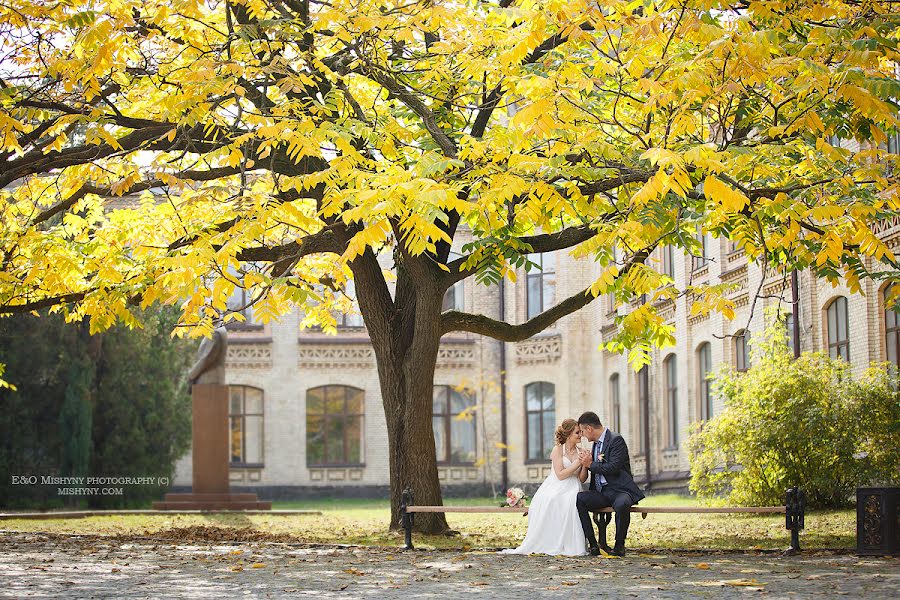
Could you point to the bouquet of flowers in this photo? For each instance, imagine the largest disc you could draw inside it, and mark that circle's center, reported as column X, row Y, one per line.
column 515, row 498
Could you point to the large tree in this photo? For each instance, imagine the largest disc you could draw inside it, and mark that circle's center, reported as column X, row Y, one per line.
column 354, row 139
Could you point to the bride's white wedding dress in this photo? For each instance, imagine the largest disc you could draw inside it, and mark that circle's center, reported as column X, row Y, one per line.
column 553, row 525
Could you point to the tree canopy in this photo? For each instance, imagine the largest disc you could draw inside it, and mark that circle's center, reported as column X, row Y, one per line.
column 305, row 135
column 289, row 146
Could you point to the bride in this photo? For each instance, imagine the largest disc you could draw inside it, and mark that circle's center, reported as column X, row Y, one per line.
column 553, row 525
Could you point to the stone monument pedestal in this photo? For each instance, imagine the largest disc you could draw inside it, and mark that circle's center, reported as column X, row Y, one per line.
column 209, row 427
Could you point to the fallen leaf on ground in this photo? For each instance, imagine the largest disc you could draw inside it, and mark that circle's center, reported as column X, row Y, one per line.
column 742, row 582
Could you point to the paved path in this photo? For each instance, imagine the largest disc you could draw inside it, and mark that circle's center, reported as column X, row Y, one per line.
column 41, row 565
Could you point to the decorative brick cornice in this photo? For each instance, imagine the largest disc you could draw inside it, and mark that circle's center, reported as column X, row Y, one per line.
column 544, row 349
column 735, row 257
column 243, row 354
column 887, row 228
column 607, row 332
column 338, row 356
column 456, row 356
column 666, row 309
column 777, row 287
column 700, row 272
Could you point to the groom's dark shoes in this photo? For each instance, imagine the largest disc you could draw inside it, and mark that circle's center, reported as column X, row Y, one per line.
column 595, row 551
column 619, row 550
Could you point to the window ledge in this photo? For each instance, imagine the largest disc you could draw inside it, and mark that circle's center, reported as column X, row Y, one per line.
column 246, row 465
column 341, row 338
column 249, row 340
column 235, row 327
column 338, row 466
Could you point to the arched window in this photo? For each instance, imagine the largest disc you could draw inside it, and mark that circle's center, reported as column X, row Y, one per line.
column 704, row 366
column 671, row 370
column 741, row 351
column 615, row 407
column 838, row 333
column 245, row 416
column 892, row 328
column 453, row 422
column 334, row 425
column 540, row 419
column 541, row 284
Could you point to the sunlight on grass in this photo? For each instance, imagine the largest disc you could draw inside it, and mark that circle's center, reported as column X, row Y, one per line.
column 356, row 521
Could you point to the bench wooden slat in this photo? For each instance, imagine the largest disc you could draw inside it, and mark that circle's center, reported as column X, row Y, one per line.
column 634, row 509
column 465, row 509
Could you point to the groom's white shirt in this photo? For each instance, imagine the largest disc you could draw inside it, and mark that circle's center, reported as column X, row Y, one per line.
column 599, row 480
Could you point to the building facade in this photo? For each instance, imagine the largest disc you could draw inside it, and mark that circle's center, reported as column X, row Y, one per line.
column 306, row 412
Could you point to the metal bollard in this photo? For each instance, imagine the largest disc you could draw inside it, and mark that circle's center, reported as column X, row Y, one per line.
column 406, row 499
column 794, row 516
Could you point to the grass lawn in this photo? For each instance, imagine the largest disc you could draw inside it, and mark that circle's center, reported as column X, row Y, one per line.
column 346, row 521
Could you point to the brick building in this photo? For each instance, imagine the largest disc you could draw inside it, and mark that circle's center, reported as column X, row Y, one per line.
column 307, row 417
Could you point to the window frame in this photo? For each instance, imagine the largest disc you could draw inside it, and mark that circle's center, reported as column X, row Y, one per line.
column 838, row 346
column 668, row 261
column 741, row 352
column 704, row 367
column 891, row 330
column 341, row 318
column 242, row 417
column 643, row 416
column 670, row 369
column 544, row 454
column 448, row 418
column 248, row 324
column 615, row 402
column 699, row 262
column 540, row 276
column 789, row 327
column 346, row 462
column 456, row 291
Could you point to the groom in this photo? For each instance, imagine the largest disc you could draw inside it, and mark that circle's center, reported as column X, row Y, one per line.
column 611, row 482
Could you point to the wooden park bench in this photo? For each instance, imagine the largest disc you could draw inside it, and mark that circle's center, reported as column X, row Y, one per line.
column 794, row 510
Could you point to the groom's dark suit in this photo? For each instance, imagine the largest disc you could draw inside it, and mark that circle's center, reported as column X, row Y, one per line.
column 611, row 484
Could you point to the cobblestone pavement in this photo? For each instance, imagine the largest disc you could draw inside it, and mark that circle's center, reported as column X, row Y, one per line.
column 41, row 565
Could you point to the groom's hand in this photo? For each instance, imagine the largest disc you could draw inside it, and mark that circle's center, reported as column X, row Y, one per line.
column 586, row 459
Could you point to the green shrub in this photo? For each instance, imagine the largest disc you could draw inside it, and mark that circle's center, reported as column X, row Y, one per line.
column 807, row 422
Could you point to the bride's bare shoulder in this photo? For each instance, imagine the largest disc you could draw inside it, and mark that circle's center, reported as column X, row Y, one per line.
column 557, row 450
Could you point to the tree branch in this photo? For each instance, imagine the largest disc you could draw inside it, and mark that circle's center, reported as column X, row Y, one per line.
column 505, row 332
column 447, row 146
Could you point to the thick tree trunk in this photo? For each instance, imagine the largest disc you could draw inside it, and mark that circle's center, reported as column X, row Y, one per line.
column 406, row 351
column 408, row 407
column 406, row 332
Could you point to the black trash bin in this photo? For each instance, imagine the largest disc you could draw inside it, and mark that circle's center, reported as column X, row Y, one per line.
column 878, row 521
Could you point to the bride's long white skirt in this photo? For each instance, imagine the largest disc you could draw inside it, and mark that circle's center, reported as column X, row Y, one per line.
column 553, row 525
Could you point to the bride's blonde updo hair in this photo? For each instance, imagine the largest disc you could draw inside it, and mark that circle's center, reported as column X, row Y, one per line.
column 565, row 429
